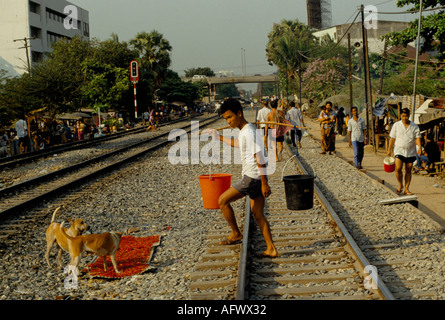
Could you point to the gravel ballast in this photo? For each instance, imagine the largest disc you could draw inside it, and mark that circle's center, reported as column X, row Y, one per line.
column 155, row 197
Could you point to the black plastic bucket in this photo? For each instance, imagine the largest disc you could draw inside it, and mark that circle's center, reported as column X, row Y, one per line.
column 299, row 191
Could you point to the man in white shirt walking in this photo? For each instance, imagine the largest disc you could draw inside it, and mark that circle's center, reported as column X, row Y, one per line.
column 21, row 127
column 254, row 182
column 295, row 117
column 357, row 136
column 262, row 115
column 405, row 135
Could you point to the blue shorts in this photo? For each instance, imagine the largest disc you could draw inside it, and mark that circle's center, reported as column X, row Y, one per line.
column 249, row 187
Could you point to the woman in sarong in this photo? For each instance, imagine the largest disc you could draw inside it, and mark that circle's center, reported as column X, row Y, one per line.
column 327, row 120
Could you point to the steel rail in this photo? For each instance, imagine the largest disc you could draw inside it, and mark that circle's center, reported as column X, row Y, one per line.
column 382, row 289
column 34, row 155
column 355, row 250
column 77, row 166
column 241, row 280
column 58, row 190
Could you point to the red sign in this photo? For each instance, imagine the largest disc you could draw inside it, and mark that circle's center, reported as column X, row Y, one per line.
column 134, row 71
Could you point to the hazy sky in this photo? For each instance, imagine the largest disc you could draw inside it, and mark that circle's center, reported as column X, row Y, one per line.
column 211, row 33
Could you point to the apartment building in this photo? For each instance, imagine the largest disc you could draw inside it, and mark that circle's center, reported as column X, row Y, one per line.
column 28, row 28
column 375, row 43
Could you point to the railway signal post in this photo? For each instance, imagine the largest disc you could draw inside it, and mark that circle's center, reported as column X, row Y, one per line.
column 134, row 77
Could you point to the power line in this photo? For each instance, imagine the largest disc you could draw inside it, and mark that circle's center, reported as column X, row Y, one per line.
column 413, row 11
column 337, row 44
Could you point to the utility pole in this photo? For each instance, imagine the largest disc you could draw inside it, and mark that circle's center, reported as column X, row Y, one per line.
column 368, row 91
column 351, row 103
column 27, row 51
column 383, row 68
column 300, row 98
column 413, row 111
column 243, row 62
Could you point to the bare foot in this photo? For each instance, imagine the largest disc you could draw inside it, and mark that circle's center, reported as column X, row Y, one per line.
column 270, row 254
column 230, row 240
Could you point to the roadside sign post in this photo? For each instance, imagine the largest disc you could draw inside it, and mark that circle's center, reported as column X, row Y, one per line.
column 134, row 77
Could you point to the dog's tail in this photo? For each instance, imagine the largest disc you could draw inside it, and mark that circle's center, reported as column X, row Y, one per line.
column 54, row 214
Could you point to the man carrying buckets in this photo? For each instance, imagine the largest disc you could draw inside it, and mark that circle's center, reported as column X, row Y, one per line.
column 254, row 171
column 405, row 135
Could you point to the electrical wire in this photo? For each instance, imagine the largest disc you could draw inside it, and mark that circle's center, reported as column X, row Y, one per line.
column 337, row 44
column 413, row 11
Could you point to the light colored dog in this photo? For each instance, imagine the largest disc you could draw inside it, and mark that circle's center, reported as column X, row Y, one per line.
column 54, row 234
column 101, row 245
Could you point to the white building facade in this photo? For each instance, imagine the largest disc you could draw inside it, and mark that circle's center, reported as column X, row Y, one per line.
column 375, row 43
column 28, row 28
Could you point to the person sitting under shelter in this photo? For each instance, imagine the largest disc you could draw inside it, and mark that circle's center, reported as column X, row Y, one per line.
column 429, row 155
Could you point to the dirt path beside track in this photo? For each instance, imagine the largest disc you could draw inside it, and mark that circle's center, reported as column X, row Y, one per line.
column 429, row 190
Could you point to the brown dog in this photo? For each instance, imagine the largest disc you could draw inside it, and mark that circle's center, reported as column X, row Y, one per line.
column 54, row 234
column 102, row 245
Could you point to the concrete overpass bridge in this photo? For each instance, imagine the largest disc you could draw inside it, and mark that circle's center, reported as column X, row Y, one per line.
column 236, row 79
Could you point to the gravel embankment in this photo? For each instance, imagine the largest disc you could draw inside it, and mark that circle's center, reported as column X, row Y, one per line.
column 159, row 198
column 419, row 243
column 152, row 196
column 61, row 160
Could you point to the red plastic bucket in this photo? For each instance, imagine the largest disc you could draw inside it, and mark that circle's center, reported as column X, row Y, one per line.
column 212, row 186
column 389, row 164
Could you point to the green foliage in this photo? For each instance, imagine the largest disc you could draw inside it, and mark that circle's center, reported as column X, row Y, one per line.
column 174, row 89
column 154, row 54
column 105, row 84
column 14, row 100
column 227, row 90
column 432, row 28
column 287, row 48
column 83, row 73
column 205, row 71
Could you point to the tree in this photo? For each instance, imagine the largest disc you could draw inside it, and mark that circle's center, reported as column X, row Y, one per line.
column 15, row 101
column 174, row 89
column 432, row 30
column 107, row 76
column 54, row 87
column 106, row 84
column 227, row 90
column 205, row 71
column 154, row 54
column 323, row 78
column 288, row 45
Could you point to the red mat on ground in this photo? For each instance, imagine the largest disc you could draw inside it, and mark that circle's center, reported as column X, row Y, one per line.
column 132, row 258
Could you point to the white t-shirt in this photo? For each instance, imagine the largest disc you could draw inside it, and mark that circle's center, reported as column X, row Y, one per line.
column 249, row 145
column 294, row 116
column 357, row 128
column 405, row 144
column 262, row 116
column 21, row 127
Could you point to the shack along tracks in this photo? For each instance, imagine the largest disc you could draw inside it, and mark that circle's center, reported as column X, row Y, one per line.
column 318, row 259
column 17, row 198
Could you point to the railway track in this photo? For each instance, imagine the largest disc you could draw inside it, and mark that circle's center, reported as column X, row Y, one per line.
column 25, row 158
column 25, row 195
column 318, row 257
